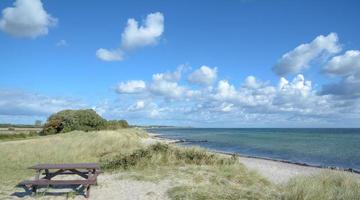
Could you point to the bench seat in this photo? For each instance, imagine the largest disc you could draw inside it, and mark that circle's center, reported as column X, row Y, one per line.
column 45, row 182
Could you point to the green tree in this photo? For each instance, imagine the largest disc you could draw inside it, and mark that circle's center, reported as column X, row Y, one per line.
column 69, row 120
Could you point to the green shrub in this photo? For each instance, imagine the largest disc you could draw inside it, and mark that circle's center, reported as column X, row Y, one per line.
column 12, row 136
column 69, row 120
column 116, row 124
column 82, row 120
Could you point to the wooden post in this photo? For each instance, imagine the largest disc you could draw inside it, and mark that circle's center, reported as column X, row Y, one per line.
column 47, row 174
column 87, row 192
column 37, row 176
column 33, row 189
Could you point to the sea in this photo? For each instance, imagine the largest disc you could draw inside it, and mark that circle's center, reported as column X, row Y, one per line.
column 322, row 147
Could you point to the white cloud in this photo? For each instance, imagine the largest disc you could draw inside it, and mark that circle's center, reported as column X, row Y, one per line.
column 27, row 18
column 298, row 59
column 160, row 85
column 298, row 87
column 170, row 76
column 62, row 43
column 203, row 76
column 346, row 66
column 134, row 86
column 139, row 105
column 253, row 101
column 251, row 82
column 109, row 55
column 225, row 91
column 135, row 36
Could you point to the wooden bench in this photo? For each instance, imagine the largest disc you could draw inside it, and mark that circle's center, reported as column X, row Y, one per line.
column 88, row 171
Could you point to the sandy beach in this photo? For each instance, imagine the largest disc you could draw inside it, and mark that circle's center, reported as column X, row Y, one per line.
column 275, row 171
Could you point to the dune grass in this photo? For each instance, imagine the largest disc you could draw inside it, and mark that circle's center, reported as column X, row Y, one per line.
column 199, row 174
column 17, row 136
column 195, row 173
column 76, row 146
column 328, row 185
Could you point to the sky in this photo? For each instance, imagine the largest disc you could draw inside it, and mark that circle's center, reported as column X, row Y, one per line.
column 236, row 63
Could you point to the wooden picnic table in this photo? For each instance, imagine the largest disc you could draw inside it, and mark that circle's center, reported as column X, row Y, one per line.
column 88, row 171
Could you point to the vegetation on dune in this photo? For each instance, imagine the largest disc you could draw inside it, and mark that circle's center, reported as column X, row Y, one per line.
column 13, row 136
column 19, row 126
column 83, row 120
column 73, row 147
column 211, row 176
column 163, row 155
column 116, row 124
column 194, row 173
column 70, row 120
column 330, row 186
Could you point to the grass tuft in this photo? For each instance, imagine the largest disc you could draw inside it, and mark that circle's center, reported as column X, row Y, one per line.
column 327, row 185
column 160, row 154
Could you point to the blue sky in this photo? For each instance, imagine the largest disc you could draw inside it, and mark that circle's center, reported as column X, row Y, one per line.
column 219, row 63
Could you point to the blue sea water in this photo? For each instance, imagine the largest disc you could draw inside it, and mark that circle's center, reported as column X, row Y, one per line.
column 335, row 147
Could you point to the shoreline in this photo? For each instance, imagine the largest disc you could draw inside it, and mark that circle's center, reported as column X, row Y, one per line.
column 276, row 170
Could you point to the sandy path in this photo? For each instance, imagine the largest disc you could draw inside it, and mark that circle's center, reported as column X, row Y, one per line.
column 111, row 187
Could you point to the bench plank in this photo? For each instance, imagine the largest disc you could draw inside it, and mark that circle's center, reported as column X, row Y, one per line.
column 67, row 166
column 45, row 182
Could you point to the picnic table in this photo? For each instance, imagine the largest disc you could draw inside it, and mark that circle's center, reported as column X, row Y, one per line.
column 87, row 171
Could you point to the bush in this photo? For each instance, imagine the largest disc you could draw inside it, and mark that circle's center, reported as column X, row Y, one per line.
column 116, row 124
column 70, row 120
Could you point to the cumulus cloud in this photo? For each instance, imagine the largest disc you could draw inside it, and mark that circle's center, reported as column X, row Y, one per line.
column 139, row 105
column 347, row 67
column 203, row 76
column 299, row 58
column 168, row 97
column 225, row 91
column 136, row 36
column 109, row 55
column 134, row 86
column 27, row 18
column 165, row 86
column 346, row 64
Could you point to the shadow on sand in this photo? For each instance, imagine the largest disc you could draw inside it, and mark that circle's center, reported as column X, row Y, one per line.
column 50, row 191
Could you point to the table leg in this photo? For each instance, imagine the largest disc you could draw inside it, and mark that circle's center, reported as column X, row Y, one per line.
column 89, row 173
column 87, row 191
column 37, row 176
column 47, row 174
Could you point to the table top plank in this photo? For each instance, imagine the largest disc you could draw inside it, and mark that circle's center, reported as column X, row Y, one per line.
column 67, row 166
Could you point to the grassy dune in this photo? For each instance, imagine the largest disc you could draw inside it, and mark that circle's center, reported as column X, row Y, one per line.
column 195, row 173
column 77, row 146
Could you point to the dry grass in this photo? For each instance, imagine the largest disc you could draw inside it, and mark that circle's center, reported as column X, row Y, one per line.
column 330, row 186
column 77, row 146
column 194, row 173
column 197, row 173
